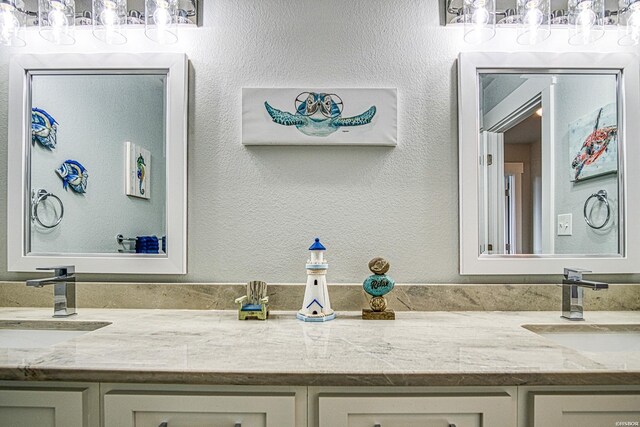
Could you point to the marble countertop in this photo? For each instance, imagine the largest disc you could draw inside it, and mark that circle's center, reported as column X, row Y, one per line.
column 417, row 349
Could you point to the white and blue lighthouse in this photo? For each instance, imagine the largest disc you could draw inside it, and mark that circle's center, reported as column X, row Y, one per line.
column 316, row 306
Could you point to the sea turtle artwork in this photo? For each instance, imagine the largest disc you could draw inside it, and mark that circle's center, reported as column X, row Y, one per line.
column 594, row 146
column 73, row 175
column 141, row 172
column 44, row 128
column 318, row 114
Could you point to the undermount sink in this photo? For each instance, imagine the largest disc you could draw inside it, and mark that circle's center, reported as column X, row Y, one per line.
column 42, row 334
column 592, row 338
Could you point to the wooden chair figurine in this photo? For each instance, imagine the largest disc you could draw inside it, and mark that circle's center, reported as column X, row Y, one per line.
column 255, row 304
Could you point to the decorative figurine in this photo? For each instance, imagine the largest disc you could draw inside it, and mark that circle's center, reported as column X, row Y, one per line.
column 316, row 306
column 377, row 285
column 73, row 175
column 44, row 128
column 255, row 304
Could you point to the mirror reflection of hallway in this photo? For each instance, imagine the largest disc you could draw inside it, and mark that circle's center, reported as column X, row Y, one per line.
column 523, row 185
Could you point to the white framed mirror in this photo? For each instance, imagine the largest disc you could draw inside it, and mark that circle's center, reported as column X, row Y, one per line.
column 548, row 162
column 97, row 174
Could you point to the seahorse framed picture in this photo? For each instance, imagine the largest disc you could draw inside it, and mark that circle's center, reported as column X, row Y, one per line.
column 319, row 116
column 138, row 171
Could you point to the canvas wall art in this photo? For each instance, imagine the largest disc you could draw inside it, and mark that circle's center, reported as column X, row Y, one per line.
column 593, row 143
column 319, row 116
column 138, row 171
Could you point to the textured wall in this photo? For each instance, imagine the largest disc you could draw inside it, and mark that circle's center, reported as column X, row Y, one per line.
column 250, row 211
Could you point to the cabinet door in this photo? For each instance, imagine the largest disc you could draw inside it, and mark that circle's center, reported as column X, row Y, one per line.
column 198, row 410
column 496, row 410
column 586, row 410
column 41, row 408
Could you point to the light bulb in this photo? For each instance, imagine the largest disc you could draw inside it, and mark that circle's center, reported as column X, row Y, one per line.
column 534, row 21
column 161, row 21
column 586, row 17
column 162, row 17
column 57, row 19
column 630, row 26
column 634, row 19
column 533, row 18
column 9, row 24
column 480, row 16
column 109, row 16
column 479, row 20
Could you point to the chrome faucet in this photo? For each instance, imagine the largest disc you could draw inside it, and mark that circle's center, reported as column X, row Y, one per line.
column 64, row 289
column 572, row 292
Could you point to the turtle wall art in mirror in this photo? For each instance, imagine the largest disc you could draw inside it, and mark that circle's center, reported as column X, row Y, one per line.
column 97, row 171
column 544, row 145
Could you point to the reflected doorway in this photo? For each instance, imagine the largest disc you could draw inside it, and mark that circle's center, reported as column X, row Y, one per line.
column 523, row 185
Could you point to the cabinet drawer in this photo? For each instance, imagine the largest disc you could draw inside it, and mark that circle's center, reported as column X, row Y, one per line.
column 42, row 408
column 496, row 410
column 585, row 409
column 195, row 410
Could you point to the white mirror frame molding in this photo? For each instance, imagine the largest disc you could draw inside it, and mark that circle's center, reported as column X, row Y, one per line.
column 469, row 66
column 175, row 64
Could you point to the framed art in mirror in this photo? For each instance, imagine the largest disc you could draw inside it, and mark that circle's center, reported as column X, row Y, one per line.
column 545, row 140
column 85, row 133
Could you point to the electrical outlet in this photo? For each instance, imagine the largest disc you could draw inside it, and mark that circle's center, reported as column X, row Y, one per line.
column 565, row 225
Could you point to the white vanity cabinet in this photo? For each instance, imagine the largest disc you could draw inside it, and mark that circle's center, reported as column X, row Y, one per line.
column 50, row 406
column 42, row 404
column 176, row 406
column 585, row 409
column 390, row 407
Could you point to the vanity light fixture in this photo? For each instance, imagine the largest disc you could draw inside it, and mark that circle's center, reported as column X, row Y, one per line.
column 534, row 24
column 56, row 20
column 629, row 22
column 109, row 20
column 479, row 20
column 161, row 20
column 11, row 23
column 586, row 21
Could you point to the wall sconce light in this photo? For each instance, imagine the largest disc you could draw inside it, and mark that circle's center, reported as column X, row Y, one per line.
column 534, row 24
column 11, row 23
column 56, row 19
column 586, row 21
column 479, row 20
column 629, row 22
column 109, row 20
column 161, row 20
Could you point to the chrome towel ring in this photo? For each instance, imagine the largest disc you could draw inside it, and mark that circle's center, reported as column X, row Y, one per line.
column 40, row 196
column 602, row 197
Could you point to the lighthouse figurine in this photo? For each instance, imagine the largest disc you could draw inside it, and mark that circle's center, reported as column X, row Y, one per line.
column 316, row 306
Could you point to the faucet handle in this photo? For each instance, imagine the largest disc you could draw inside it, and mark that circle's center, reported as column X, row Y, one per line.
column 574, row 273
column 62, row 270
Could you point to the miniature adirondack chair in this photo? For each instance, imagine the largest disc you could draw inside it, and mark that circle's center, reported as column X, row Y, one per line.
column 255, row 304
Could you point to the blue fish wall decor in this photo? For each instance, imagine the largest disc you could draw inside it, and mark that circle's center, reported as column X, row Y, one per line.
column 318, row 114
column 73, row 175
column 44, row 128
